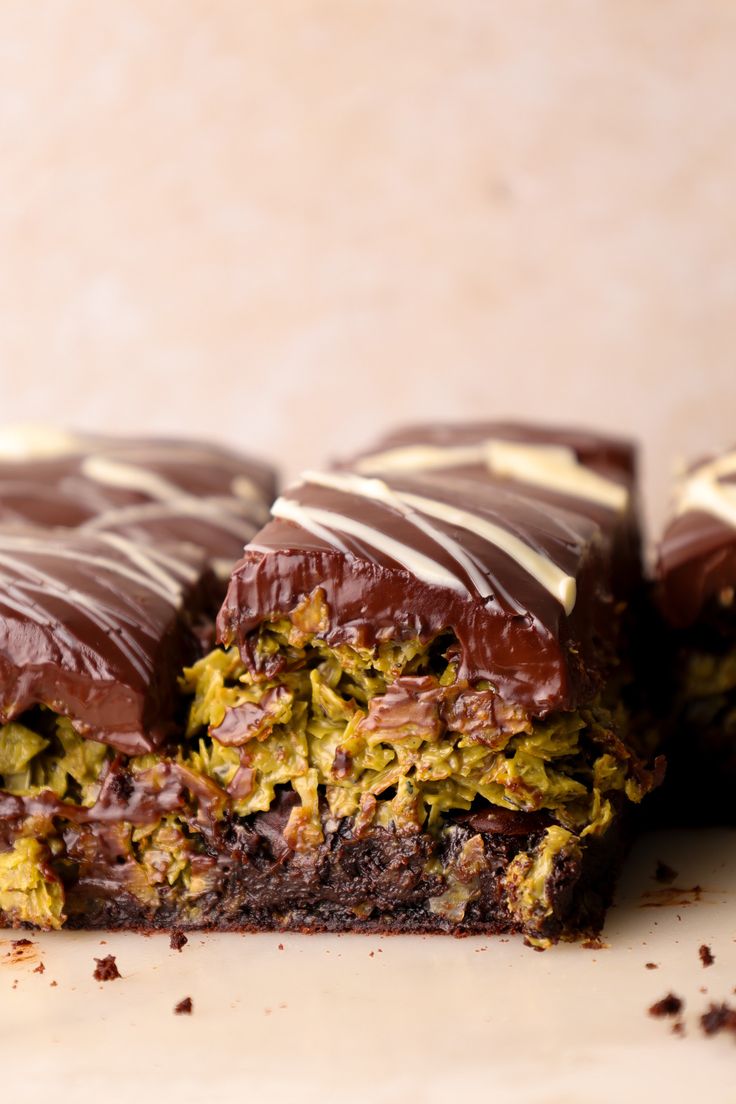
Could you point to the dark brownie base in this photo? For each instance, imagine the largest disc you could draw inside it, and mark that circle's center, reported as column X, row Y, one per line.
column 373, row 885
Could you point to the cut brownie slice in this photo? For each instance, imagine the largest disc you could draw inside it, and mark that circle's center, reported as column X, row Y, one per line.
column 420, row 692
column 94, row 631
column 696, row 587
column 151, row 491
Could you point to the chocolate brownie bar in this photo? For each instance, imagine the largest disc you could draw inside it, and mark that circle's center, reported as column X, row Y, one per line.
column 420, row 687
column 149, row 490
column 94, row 632
column 696, row 585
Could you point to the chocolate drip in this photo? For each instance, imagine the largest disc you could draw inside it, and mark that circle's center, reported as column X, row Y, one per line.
column 110, row 550
column 97, row 629
column 373, row 562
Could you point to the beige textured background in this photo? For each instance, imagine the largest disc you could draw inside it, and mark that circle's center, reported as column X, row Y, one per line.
column 288, row 222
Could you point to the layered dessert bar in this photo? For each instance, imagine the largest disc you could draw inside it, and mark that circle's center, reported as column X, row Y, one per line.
column 418, row 708
column 148, row 490
column 94, row 632
column 113, row 558
column 696, row 588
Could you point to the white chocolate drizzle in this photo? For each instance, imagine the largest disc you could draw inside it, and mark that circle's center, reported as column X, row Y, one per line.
column 703, row 490
column 417, row 509
column 322, row 522
column 554, row 467
column 127, row 465
column 29, row 583
column 36, row 442
column 146, row 566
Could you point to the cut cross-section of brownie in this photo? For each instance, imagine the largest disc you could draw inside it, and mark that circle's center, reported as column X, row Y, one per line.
column 421, row 692
column 94, row 632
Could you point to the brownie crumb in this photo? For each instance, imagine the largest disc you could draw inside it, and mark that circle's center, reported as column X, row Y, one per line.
column 53, row 984
column 21, row 943
column 664, row 873
column 719, row 1017
column 651, row 966
column 281, row 946
column 121, row 786
column 40, row 968
column 706, row 955
column 177, row 940
column 184, row 1007
column 678, row 1028
column 667, row 1006
column 106, row 969
column 595, row 944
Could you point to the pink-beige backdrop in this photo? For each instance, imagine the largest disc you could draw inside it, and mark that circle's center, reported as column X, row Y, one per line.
column 288, row 223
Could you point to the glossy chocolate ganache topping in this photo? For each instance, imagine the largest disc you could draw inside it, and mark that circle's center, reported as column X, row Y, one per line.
column 511, row 545
column 696, row 564
column 97, row 628
column 150, row 491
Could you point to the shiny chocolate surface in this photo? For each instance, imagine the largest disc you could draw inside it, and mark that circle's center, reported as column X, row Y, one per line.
column 696, row 557
column 527, row 576
column 146, row 489
column 96, row 628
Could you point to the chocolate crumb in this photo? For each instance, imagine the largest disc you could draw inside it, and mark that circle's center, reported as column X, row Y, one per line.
column 667, row 1006
column 21, row 943
column 40, row 968
column 706, row 955
column 184, row 1007
column 106, row 969
column 651, row 966
column 177, row 940
column 121, row 786
column 595, row 944
column 719, row 1017
column 281, row 946
column 678, row 1028
column 664, row 873
column 53, row 984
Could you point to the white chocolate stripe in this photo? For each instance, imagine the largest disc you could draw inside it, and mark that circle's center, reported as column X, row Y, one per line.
column 209, row 510
column 553, row 467
column 170, row 591
column 381, row 492
column 702, row 490
column 140, row 556
column 113, row 473
column 322, row 522
column 539, row 566
column 32, row 575
column 37, row 442
column 238, row 513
